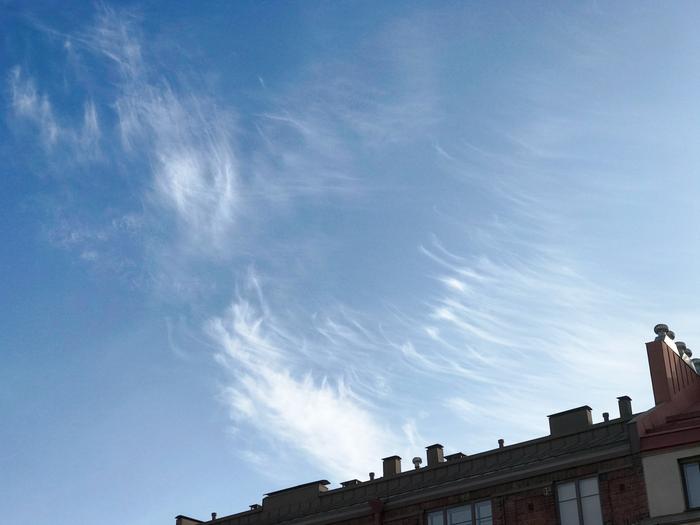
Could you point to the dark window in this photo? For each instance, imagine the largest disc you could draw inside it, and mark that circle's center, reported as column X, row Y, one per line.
column 691, row 482
column 579, row 502
column 478, row 513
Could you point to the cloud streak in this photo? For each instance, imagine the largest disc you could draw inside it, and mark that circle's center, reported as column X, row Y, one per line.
column 498, row 309
column 186, row 139
column 35, row 107
column 320, row 417
column 29, row 104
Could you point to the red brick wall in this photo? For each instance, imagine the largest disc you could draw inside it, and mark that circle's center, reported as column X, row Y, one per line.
column 530, row 507
column 533, row 501
column 623, row 496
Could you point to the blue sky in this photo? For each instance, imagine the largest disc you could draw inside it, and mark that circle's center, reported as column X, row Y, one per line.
column 253, row 244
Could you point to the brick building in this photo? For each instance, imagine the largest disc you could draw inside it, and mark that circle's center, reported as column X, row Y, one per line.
column 669, row 435
column 634, row 469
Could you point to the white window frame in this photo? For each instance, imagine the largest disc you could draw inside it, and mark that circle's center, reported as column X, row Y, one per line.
column 475, row 520
column 578, row 498
column 682, row 463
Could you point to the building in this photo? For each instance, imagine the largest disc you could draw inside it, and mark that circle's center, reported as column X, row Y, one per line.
column 633, row 469
column 669, row 434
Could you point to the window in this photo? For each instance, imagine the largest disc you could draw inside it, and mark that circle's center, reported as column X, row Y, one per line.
column 579, row 502
column 474, row 514
column 483, row 513
column 691, row 482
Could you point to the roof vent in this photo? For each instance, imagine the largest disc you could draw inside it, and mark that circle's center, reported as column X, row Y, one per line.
column 660, row 331
column 696, row 364
column 456, row 456
column 685, row 352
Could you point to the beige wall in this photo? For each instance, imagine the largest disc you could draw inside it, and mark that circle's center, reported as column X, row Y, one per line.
column 662, row 476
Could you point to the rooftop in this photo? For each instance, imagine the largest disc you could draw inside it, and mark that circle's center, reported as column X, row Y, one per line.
column 574, row 441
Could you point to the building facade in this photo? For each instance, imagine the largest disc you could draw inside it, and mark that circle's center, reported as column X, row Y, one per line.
column 633, row 469
column 669, row 434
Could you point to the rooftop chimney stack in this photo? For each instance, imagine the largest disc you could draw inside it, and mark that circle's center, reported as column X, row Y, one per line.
column 435, row 454
column 606, row 417
column 350, row 483
column 213, row 516
column 501, row 443
column 391, row 466
column 675, row 374
column 625, row 405
column 184, row 520
column 569, row 421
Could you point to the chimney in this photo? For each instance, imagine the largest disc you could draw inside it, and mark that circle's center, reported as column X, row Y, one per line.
column 391, row 466
column 186, row 520
column 435, row 454
column 570, row 421
column 213, row 516
column 501, row 443
column 625, row 405
column 350, row 483
column 606, row 417
column 306, row 493
column 674, row 375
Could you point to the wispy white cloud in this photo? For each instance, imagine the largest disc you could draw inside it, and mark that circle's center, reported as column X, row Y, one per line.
column 186, row 138
column 90, row 133
column 29, row 103
column 318, row 415
column 105, row 244
column 492, row 335
column 318, row 130
column 512, row 331
column 526, row 319
column 508, row 311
